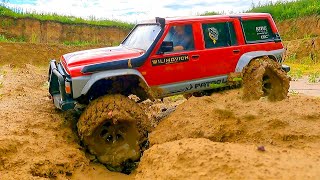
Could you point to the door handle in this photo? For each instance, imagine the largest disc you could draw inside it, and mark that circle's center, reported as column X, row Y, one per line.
column 236, row 51
column 195, row 56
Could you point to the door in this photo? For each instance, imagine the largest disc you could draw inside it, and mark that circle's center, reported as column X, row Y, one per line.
column 181, row 64
column 221, row 51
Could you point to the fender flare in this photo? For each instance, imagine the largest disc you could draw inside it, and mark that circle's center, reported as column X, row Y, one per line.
column 247, row 57
column 109, row 74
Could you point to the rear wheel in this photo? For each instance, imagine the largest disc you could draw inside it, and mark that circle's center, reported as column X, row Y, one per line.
column 112, row 128
column 264, row 77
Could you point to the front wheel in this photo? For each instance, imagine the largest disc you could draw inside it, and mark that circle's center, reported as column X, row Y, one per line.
column 111, row 127
column 264, row 77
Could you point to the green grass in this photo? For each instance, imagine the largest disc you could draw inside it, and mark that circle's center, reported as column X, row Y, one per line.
column 88, row 43
column 210, row 13
column 19, row 13
column 283, row 10
column 314, row 77
column 5, row 39
column 298, row 70
column 214, row 85
column 80, row 43
column 289, row 10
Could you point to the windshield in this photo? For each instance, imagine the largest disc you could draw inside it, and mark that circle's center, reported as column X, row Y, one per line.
column 142, row 36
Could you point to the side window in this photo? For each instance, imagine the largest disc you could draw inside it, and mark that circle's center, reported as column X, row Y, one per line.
column 219, row 35
column 257, row 31
column 182, row 37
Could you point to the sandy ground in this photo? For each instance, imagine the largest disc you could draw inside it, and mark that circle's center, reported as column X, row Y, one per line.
column 251, row 140
column 302, row 86
column 208, row 137
column 36, row 140
column 203, row 159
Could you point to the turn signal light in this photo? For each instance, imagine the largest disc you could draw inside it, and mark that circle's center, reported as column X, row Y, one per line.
column 68, row 87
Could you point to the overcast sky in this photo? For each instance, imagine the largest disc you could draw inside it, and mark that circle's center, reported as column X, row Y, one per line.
column 133, row 10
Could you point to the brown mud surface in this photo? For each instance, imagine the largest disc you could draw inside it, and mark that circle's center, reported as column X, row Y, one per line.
column 218, row 136
column 208, row 137
column 286, row 133
column 36, row 140
column 203, row 159
column 225, row 117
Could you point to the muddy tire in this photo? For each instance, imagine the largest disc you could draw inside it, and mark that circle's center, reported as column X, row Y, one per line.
column 112, row 128
column 264, row 77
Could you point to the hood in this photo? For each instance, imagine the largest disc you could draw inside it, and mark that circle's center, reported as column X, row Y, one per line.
column 101, row 55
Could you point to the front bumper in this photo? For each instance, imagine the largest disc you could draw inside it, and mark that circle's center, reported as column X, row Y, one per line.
column 286, row 68
column 57, row 80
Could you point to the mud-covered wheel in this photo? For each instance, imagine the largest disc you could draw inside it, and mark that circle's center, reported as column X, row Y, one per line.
column 113, row 128
column 264, row 77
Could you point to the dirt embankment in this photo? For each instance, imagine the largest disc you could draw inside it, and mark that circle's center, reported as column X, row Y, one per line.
column 300, row 50
column 19, row 54
column 300, row 28
column 301, row 38
column 36, row 31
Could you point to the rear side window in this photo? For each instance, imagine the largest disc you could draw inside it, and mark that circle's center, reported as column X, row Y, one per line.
column 219, row 35
column 257, row 31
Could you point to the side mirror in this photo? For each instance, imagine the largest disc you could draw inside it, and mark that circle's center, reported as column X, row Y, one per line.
column 166, row 46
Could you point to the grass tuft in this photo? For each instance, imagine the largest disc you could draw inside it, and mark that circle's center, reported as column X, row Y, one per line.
column 3, row 38
column 314, row 77
column 207, row 13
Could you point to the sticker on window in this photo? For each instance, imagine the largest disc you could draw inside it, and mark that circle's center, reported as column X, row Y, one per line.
column 262, row 31
column 213, row 34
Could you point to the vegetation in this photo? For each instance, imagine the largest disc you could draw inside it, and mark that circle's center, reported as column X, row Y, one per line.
column 283, row 10
column 5, row 39
column 210, row 13
column 298, row 70
column 19, row 13
column 288, row 10
column 80, row 43
column 304, row 67
column 214, row 85
column 87, row 43
column 314, row 77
